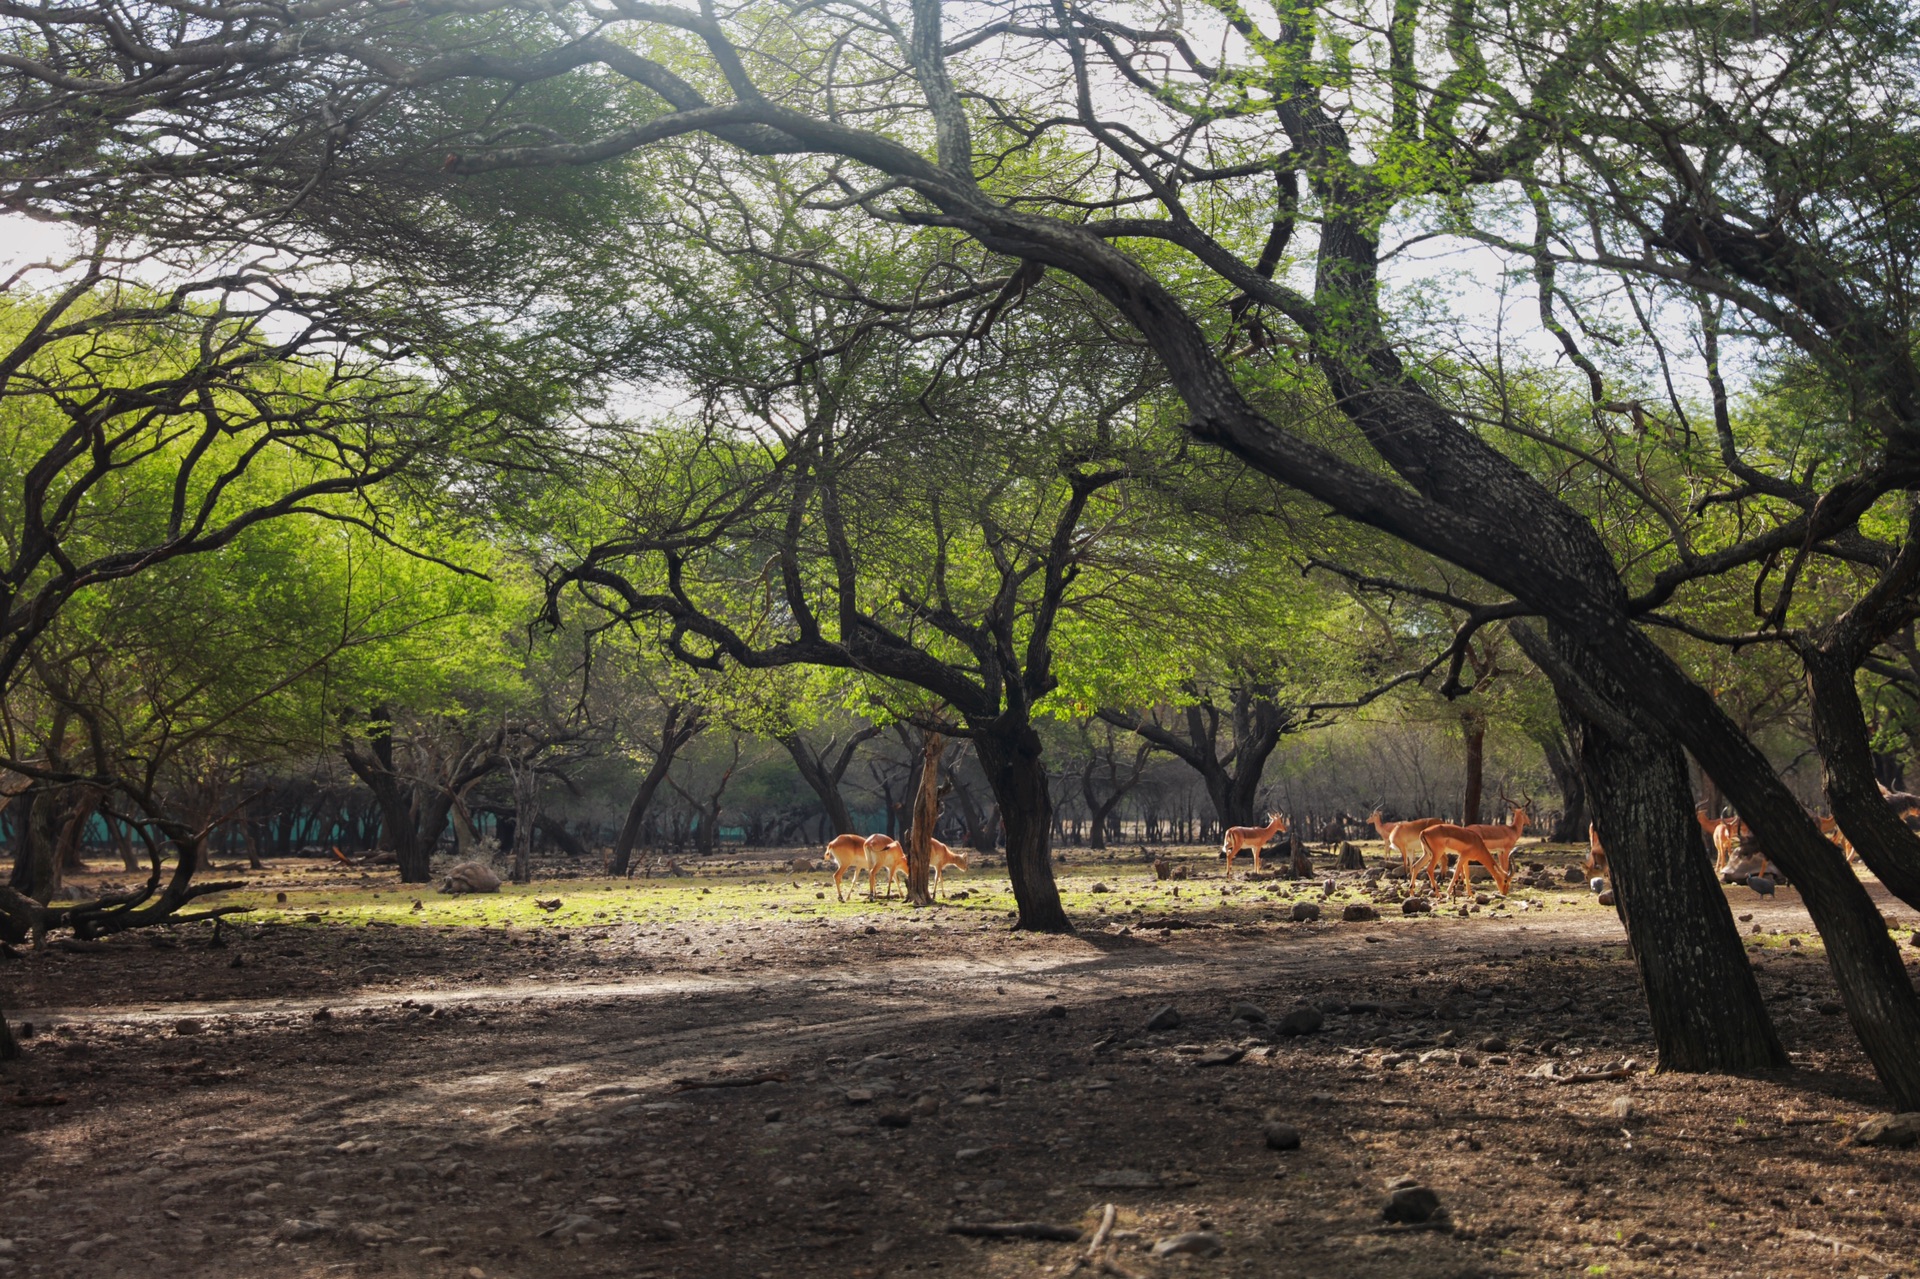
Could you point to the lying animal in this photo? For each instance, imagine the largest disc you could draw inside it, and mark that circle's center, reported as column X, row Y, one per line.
column 471, row 877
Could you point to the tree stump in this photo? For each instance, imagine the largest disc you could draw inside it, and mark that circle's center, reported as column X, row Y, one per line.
column 1302, row 862
column 1162, row 868
column 1350, row 858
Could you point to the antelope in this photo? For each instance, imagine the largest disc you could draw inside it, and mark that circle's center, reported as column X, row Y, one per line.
column 942, row 857
column 1503, row 839
column 1596, row 863
column 1464, row 843
column 1402, row 836
column 1239, row 837
column 855, row 853
column 1830, row 827
column 1726, row 835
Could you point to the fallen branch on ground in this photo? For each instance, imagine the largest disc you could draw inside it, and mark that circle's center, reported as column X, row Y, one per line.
column 732, row 1081
column 1015, row 1230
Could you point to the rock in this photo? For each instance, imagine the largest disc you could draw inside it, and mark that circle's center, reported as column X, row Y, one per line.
column 187, row 1026
column 1606, row 898
column 926, row 1105
column 1302, row 1021
column 1241, row 1010
column 294, row 1230
column 1282, row 1137
column 470, row 877
column 574, row 1227
column 1182, row 871
column 1493, row 1044
column 370, row 1233
column 1481, row 899
column 775, row 1115
column 1328, row 887
column 1889, row 1130
column 1054, row 1011
column 1125, row 1179
column 1099, row 888
column 1416, row 906
column 1198, row 1243
column 1575, row 875
column 1305, row 912
column 1220, row 1057
column 1358, row 912
column 895, row 1118
column 971, row 1153
column 1166, row 1017
column 1623, row 1108
column 1411, row 1205
column 323, row 1014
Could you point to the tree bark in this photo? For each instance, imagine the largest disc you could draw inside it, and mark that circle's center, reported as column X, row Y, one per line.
column 1701, row 994
column 823, row 772
column 926, row 812
column 680, row 726
column 9, row 1046
column 1885, row 843
column 1473, row 728
column 1010, row 757
column 526, row 817
column 1574, row 812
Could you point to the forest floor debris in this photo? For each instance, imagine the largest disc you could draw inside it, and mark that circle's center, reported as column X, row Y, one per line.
column 652, row 1080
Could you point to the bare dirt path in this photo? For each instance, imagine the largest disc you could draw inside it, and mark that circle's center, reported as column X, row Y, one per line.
column 526, row 1116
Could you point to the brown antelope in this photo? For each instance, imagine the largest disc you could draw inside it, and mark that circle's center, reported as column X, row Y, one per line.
column 1256, row 837
column 1830, row 827
column 1503, row 839
column 1403, row 836
column 1725, row 833
column 1596, row 863
column 855, row 853
column 1461, row 841
column 942, row 857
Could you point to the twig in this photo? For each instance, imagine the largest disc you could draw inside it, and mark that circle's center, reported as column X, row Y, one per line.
column 733, row 1081
column 1015, row 1230
column 1091, row 1257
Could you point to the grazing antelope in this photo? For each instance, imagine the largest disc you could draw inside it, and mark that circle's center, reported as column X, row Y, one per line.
column 1503, row 839
column 1830, row 827
column 1596, row 863
column 941, row 858
column 1461, row 841
column 1239, row 837
column 854, row 853
column 1403, row 837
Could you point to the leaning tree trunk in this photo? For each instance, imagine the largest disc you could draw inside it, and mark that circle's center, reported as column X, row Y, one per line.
column 1701, row 994
column 1010, row 757
column 926, row 811
column 1473, row 727
column 1889, row 849
column 1574, row 812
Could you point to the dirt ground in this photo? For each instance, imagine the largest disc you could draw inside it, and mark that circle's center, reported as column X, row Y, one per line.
column 498, row 1088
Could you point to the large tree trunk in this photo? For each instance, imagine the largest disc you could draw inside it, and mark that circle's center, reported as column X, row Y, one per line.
column 926, row 812
column 1010, row 757
column 36, row 857
column 1574, row 813
column 1701, row 994
column 526, row 818
column 1473, row 728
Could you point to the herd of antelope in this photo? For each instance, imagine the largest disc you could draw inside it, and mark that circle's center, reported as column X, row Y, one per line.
column 852, row 854
column 1427, row 844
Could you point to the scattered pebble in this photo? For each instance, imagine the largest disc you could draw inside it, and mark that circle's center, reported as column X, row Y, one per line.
column 1305, row 912
column 1358, row 912
column 187, row 1026
column 1302, row 1021
column 1199, row 1243
column 1166, row 1017
column 1411, row 1205
column 1282, row 1137
column 1241, row 1010
column 1416, row 906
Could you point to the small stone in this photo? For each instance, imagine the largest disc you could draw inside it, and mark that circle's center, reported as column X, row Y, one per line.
column 1166, row 1017
column 323, row 1014
column 971, row 1153
column 1282, row 1137
column 1054, row 1011
column 1358, row 912
column 1623, row 1108
column 859, row 1096
column 1198, row 1243
column 1889, row 1130
column 1241, row 1010
column 1830, row 1008
column 926, row 1105
column 370, row 1233
column 1575, row 875
column 1493, row 1044
column 1416, row 906
column 1302, row 1021
column 1099, row 888
column 1305, row 912
column 1481, row 899
column 895, row 1118
column 773, row 1116
column 1411, row 1205
column 187, row 1026
column 1125, row 1179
